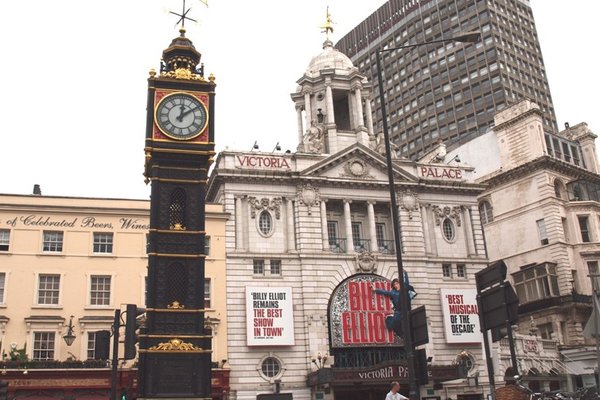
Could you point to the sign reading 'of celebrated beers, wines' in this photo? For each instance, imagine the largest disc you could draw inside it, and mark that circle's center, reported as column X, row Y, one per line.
column 357, row 315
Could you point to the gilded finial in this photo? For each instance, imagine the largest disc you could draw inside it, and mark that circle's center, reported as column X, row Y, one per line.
column 152, row 72
column 211, row 77
column 328, row 26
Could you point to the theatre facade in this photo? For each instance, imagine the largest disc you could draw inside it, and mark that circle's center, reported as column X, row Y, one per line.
column 310, row 237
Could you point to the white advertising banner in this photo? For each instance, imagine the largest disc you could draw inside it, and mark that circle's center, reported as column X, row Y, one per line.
column 269, row 316
column 461, row 315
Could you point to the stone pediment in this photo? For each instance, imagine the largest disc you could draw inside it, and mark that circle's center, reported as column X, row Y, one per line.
column 356, row 163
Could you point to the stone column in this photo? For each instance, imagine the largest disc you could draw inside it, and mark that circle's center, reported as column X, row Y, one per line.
column 348, row 221
column 239, row 223
column 369, row 116
column 329, row 101
column 359, row 110
column 307, row 108
column 466, row 216
column 431, row 229
column 372, row 228
column 291, row 237
column 425, row 224
column 324, row 224
column 300, row 128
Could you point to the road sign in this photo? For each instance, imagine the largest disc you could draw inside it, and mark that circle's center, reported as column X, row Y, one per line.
column 491, row 275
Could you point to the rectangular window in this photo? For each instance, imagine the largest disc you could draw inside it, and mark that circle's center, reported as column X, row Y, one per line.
column 594, row 275
column 2, row 283
column 100, row 290
column 103, row 242
column 53, row 241
column 584, row 227
column 275, row 267
column 207, row 245
column 447, row 270
column 461, row 270
column 207, row 293
column 48, row 289
column 335, row 244
column 43, row 345
column 536, row 282
column 541, row 225
column 259, row 267
column 546, row 331
column 4, row 239
column 91, row 345
column 380, row 234
column 356, row 235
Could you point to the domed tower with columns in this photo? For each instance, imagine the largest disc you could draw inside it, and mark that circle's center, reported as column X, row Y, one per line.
column 332, row 103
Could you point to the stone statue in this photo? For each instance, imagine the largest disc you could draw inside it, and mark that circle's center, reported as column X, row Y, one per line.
column 313, row 138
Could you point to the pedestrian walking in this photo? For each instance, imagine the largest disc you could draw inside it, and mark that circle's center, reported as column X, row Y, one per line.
column 393, row 394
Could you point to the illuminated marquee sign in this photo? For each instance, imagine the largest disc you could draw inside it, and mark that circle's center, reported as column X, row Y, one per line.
column 440, row 173
column 262, row 162
column 461, row 315
column 357, row 314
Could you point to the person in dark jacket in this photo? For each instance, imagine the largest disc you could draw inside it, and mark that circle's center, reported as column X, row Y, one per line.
column 394, row 322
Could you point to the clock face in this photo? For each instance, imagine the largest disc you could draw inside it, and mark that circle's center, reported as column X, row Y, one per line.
column 181, row 116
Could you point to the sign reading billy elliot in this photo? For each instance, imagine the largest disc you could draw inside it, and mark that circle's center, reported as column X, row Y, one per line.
column 357, row 314
column 461, row 315
column 269, row 316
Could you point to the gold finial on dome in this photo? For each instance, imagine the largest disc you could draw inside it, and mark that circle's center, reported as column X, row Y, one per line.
column 328, row 25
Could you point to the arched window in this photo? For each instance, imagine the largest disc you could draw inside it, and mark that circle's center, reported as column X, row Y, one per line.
column 177, row 209
column 265, row 223
column 486, row 212
column 448, row 229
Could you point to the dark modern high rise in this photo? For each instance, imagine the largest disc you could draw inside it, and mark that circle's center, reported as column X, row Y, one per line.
column 450, row 91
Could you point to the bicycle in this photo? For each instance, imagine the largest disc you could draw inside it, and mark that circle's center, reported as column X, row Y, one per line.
column 545, row 395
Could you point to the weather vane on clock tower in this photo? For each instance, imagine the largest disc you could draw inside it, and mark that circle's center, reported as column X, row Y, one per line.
column 183, row 16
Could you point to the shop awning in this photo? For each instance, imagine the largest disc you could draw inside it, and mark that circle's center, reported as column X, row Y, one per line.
column 582, row 367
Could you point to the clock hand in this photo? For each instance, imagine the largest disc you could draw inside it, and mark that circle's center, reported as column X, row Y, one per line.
column 185, row 113
column 181, row 110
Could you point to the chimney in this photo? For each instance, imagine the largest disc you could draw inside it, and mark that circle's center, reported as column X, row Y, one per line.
column 37, row 190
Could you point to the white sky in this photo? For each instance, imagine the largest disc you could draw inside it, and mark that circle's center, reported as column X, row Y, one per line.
column 73, row 79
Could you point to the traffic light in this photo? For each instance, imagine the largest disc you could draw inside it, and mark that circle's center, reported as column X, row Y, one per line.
column 102, row 348
column 123, row 394
column 3, row 390
column 131, row 325
column 421, row 373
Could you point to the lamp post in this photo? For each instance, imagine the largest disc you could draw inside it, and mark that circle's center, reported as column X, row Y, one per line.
column 70, row 336
column 470, row 37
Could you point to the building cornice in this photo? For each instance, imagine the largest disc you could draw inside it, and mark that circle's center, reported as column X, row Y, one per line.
column 539, row 164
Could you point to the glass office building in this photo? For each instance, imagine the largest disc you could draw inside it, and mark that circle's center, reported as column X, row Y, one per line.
column 449, row 91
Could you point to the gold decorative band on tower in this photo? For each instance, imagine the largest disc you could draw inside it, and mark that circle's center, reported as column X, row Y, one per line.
column 175, row 346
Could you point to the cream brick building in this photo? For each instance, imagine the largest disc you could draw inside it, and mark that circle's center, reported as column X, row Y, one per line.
column 313, row 223
column 84, row 257
column 541, row 215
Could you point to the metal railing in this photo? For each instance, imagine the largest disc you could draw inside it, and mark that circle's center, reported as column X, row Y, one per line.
column 361, row 245
column 337, row 245
column 386, row 246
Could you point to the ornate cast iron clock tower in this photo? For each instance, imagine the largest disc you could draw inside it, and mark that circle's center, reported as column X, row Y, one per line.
column 175, row 353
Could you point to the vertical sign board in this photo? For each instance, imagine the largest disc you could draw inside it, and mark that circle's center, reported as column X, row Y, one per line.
column 461, row 315
column 269, row 316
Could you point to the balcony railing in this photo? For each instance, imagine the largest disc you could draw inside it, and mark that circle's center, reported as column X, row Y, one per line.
column 386, row 246
column 361, row 245
column 337, row 245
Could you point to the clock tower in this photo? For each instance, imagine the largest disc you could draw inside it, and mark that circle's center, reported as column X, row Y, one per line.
column 175, row 352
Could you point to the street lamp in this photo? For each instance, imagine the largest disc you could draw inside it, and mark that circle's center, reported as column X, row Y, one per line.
column 469, row 37
column 70, row 336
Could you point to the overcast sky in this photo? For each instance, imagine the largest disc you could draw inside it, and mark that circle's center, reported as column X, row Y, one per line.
column 73, row 76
